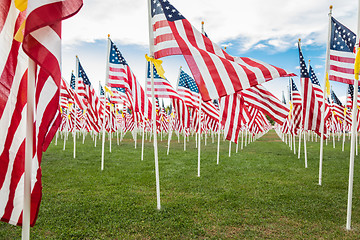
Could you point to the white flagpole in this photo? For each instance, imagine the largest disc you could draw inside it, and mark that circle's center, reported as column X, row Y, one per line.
column 199, row 137
column 324, row 98
column 25, row 234
column 171, row 120
column 353, row 134
column 305, row 151
column 103, row 136
column 218, row 145
column 74, row 105
column 229, row 148
column 151, row 46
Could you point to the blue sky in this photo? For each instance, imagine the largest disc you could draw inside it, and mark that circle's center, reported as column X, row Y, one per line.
column 265, row 30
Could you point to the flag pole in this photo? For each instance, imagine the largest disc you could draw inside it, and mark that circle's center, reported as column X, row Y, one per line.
column 324, row 98
column 353, row 127
column 151, row 46
column 171, row 120
column 75, row 118
column 103, row 133
column 25, row 234
column 199, row 134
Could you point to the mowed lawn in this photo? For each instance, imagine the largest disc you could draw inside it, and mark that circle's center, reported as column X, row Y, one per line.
column 262, row 192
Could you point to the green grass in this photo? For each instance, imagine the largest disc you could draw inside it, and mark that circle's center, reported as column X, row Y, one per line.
column 263, row 191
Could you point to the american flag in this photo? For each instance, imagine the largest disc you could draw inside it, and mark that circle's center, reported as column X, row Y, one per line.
column 231, row 111
column 120, row 75
column 311, row 117
column 342, row 57
column 188, row 90
column 296, row 102
column 337, row 107
column 162, row 87
column 86, row 91
column 216, row 72
column 260, row 98
column 316, row 84
column 13, row 83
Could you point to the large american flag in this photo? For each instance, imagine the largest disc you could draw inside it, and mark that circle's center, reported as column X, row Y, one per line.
column 120, row 75
column 342, row 57
column 216, row 72
column 42, row 43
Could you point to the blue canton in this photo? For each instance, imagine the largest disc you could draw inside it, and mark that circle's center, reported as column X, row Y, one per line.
column 303, row 70
column 187, row 82
column 115, row 55
column 313, row 77
column 163, row 6
column 72, row 81
column 156, row 75
column 83, row 75
column 342, row 39
column 335, row 98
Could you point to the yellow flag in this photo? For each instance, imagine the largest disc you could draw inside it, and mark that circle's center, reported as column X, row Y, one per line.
column 19, row 36
column 357, row 64
column 345, row 111
column 157, row 63
column 21, row 5
column 291, row 106
column 108, row 90
column 327, row 85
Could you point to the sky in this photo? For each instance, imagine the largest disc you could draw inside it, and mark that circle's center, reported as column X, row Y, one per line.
column 267, row 30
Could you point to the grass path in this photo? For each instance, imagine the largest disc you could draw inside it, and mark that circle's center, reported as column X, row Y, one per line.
column 262, row 192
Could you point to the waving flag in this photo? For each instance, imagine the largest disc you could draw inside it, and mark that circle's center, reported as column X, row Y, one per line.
column 263, row 100
column 296, row 103
column 188, row 90
column 162, row 87
column 216, row 73
column 337, row 107
column 86, row 90
column 342, row 57
column 42, row 43
column 121, row 76
column 316, row 84
column 311, row 117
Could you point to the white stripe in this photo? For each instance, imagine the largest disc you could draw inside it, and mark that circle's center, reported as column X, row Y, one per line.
column 199, row 62
column 32, row 5
column 50, row 40
column 6, row 35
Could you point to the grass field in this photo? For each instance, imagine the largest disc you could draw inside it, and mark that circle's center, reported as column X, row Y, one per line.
column 262, row 192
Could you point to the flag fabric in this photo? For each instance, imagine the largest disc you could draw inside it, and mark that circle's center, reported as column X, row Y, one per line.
column 121, row 76
column 266, row 102
column 316, row 84
column 231, row 111
column 42, row 43
column 162, row 87
column 342, row 57
column 216, row 72
column 188, row 90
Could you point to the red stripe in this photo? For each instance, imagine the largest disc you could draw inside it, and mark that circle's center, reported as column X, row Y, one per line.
column 342, row 59
column 117, row 69
column 160, row 24
column 341, row 79
column 341, row 69
column 164, row 38
column 4, row 6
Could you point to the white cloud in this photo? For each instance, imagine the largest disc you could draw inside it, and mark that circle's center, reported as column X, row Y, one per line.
column 318, row 66
column 280, row 22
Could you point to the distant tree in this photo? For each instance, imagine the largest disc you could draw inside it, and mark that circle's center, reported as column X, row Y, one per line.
column 270, row 120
